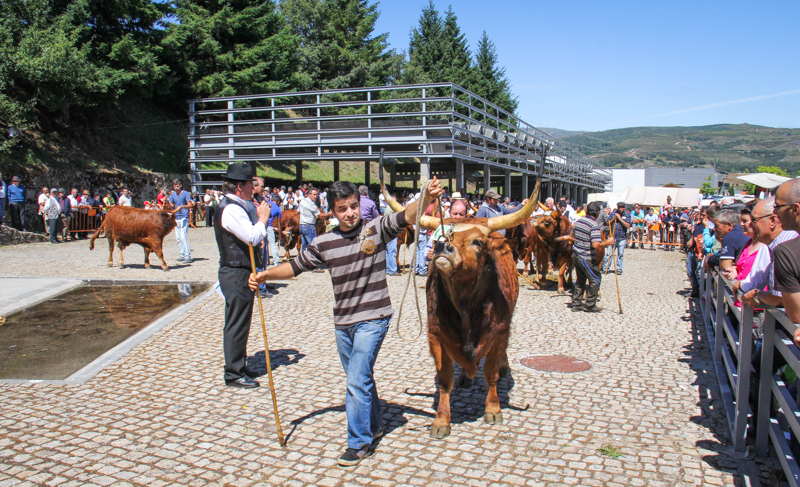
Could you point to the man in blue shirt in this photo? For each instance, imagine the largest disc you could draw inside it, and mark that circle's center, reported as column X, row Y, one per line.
column 271, row 235
column 491, row 207
column 178, row 198
column 3, row 189
column 620, row 221
column 726, row 222
column 16, row 204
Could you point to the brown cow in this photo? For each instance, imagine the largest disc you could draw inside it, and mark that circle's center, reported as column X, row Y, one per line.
column 552, row 246
column 472, row 290
column 127, row 225
column 288, row 227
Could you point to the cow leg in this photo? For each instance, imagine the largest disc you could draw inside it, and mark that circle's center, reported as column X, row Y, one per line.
column 491, row 373
column 110, row 237
column 121, row 260
column 158, row 249
column 561, row 286
column 464, row 380
column 146, row 257
column 444, row 372
column 505, row 369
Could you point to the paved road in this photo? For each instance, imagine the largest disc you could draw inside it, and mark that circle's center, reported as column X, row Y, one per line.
column 161, row 415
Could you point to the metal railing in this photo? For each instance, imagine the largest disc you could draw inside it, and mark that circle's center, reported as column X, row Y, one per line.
column 730, row 329
column 422, row 123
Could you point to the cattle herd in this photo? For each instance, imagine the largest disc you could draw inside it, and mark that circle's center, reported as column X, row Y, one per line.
column 471, row 291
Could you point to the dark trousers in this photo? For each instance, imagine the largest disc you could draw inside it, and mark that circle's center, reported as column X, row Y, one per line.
column 17, row 211
column 210, row 216
column 52, row 225
column 238, row 314
column 587, row 279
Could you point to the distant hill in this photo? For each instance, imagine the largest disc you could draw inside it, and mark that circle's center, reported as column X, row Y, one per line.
column 558, row 133
column 733, row 148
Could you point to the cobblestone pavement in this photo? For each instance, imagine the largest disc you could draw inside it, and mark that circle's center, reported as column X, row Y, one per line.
column 162, row 416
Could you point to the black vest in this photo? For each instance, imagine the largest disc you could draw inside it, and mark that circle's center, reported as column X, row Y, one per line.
column 232, row 251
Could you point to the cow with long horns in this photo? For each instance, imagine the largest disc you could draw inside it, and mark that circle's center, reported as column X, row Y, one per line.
column 554, row 245
column 472, row 290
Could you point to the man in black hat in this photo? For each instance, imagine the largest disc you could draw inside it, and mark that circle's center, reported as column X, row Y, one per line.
column 238, row 224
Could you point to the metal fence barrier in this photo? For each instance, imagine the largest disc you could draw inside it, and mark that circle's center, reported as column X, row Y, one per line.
column 730, row 331
column 85, row 219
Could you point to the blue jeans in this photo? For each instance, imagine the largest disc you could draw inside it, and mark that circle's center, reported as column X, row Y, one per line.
column 422, row 252
column 391, row 257
column 358, row 348
column 182, row 236
column 307, row 234
column 273, row 246
column 620, row 251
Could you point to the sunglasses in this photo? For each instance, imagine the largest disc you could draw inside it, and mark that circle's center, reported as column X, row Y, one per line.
column 754, row 220
column 778, row 207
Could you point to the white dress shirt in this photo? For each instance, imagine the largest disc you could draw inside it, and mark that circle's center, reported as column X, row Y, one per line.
column 124, row 200
column 236, row 220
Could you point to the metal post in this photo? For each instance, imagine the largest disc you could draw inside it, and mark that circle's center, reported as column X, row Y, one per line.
column 507, row 190
column 193, row 166
column 366, row 172
column 369, row 120
column 719, row 324
column 298, row 171
column 487, row 178
column 744, row 359
column 459, row 175
column 525, row 185
column 335, row 170
column 393, row 176
column 272, row 113
column 319, row 127
column 765, row 385
column 231, row 151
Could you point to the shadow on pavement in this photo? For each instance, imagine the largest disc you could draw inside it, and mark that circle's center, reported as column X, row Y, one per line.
column 278, row 358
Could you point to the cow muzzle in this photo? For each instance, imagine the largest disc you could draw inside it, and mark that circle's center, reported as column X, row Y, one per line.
column 445, row 256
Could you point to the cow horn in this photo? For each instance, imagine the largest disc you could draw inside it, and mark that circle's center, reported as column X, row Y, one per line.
column 393, row 204
column 517, row 218
column 543, row 207
column 175, row 210
column 568, row 238
column 429, row 222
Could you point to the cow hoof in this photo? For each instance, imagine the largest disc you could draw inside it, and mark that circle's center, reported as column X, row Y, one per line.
column 122, row 266
column 463, row 382
column 440, row 431
column 505, row 371
column 490, row 418
column 110, row 264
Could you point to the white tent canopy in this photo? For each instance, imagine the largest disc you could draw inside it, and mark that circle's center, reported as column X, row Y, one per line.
column 650, row 196
column 764, row 179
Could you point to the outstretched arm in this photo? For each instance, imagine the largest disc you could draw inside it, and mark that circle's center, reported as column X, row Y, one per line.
column 434, row 191
column 282, row 272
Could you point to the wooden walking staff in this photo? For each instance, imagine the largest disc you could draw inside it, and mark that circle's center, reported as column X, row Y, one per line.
column 281, row 439
column 614, row 258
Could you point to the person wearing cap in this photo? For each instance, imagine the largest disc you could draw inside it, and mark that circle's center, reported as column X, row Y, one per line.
column 52, row 211
column 238, row 224
column 490, row 207
column 16, row 203
column 3, row 190
column 181, row 197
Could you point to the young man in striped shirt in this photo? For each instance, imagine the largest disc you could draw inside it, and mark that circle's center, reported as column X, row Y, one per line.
column 588, row 239
column 355, row 254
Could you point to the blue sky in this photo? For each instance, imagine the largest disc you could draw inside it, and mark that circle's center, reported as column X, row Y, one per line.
column 604, row 65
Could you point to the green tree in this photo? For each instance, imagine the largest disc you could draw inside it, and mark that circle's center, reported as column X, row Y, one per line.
column 456, row 59
column 338, row 48
column 45, row 67
column 425, row 48
column 706, row 189
column 491, row 82
column 233, row 47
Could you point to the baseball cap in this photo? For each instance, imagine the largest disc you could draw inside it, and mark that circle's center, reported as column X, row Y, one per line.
column 15, row 178
column 457, row 196
column 492, row 194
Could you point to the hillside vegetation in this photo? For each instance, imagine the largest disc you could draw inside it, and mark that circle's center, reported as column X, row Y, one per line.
column 732, row 148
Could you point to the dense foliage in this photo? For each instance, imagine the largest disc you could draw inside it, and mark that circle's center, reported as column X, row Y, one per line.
column 64, row 61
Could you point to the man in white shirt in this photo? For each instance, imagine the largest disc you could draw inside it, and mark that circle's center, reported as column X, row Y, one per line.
column 308, row 217
column 52, row 211
column 125, row 199
column 42, row 200
column 238, row 225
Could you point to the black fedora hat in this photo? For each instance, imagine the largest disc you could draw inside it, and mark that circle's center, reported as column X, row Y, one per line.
column 239, row 172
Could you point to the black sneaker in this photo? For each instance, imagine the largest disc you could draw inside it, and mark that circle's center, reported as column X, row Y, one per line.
column 593, row 309
column 353, row 456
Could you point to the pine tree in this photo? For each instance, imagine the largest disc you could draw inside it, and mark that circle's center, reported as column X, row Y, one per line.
column 456, row 60
column 233, row 47
column 425, row 48
column 491, row 82
column 338, row 48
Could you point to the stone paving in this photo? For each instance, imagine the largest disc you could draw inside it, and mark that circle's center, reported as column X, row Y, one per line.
column 162, row 416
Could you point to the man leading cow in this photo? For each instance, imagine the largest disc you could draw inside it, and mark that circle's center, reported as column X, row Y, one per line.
column 355, row 254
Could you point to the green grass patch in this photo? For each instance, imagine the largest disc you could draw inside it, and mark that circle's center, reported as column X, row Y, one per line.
column 610, row 451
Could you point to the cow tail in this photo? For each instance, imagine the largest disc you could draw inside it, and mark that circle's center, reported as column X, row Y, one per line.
column 96, row 233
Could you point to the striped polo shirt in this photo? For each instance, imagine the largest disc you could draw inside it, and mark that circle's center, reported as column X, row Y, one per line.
column 585, row 232
column 357, row 264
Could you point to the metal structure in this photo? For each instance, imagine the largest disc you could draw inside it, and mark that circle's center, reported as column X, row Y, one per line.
column 434, row 129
